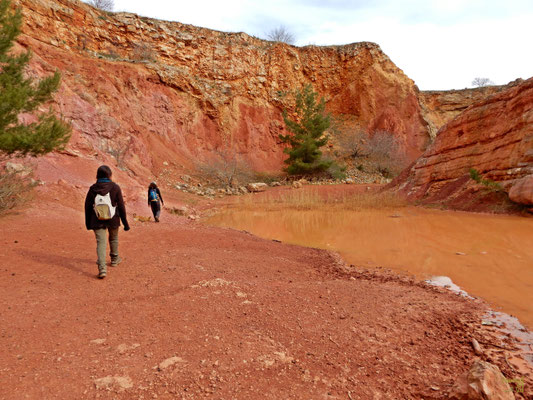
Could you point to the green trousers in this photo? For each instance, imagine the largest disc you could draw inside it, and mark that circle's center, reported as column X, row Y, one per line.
column 101, row 244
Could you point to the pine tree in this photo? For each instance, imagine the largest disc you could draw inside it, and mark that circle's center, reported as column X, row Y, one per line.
column 19, row 94
column 307, row 135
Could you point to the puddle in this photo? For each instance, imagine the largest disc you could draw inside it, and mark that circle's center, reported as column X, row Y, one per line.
column 488, row 256
column 447, row 283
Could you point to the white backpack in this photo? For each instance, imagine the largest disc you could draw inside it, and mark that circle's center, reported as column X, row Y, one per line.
column 103, row 208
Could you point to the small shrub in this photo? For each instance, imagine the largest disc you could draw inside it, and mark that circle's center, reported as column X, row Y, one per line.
column 336, row 171
column 474, row 174
column 15, row 190
column 488, row 183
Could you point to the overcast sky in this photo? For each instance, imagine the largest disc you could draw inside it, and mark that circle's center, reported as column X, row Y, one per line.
column 440, row 44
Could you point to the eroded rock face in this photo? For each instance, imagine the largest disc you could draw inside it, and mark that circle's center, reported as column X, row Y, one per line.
column 141, row 92
column 440, row 107
column 494, row 137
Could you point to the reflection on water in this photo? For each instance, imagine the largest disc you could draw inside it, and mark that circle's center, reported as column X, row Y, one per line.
column 490, row 256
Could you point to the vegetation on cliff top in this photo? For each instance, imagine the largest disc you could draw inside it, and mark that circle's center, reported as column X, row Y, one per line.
column 104, row 5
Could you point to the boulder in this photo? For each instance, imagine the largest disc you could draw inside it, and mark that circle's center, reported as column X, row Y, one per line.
column 484, row 381
column 297, row 184
column 522, row 191
column 256, row 187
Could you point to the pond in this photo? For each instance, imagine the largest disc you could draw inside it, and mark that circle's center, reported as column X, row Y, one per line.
column 489, row 256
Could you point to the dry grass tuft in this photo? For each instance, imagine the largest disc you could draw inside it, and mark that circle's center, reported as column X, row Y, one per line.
column 312, row 200
column 15, row 191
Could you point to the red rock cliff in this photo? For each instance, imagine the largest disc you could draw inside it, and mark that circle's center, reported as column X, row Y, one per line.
column 153, row 92
column 440, row 107
column 494, row 136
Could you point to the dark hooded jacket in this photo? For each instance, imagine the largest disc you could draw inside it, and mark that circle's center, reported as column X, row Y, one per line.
column 103, row 188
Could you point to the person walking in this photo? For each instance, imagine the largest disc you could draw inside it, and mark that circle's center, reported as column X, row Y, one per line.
column 155, row 200
column 104, row 209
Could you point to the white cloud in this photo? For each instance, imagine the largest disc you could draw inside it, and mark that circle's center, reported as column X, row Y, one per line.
column 440, row 44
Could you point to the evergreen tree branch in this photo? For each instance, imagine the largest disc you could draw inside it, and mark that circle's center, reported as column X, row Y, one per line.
column 19, row 94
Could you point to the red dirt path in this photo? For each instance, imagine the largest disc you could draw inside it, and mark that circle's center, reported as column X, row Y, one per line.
column 243, row 317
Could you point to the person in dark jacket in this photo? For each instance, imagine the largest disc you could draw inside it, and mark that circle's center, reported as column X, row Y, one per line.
column 155, row 200
column 102, row 187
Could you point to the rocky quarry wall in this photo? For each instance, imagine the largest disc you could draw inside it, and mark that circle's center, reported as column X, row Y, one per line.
column 440, row 107
column 167, row 92
column 493, row 136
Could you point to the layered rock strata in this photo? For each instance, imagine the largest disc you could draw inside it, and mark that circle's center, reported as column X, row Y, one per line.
column 440, row 107
column 494, row 137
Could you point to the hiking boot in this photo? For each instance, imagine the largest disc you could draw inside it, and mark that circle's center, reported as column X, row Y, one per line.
column 102, row 274
column 116, row 261
column 156, row 219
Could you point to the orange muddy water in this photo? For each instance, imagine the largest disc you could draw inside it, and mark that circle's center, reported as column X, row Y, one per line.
column 489, row 256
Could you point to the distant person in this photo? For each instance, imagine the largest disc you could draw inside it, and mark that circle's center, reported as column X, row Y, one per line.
column 155, row 200
column 104, row 209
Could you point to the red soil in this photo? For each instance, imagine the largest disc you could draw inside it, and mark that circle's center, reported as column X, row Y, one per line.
column 246, row 318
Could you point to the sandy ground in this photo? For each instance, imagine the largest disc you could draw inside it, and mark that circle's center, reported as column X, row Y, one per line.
column 202, row 312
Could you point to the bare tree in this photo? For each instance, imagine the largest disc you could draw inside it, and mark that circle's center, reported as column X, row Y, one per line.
column 104, row 5
column 380, row 151
column 481, row 82
column 385, row 153
column 281, row 34
column 352, row 144
column 225, row 169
